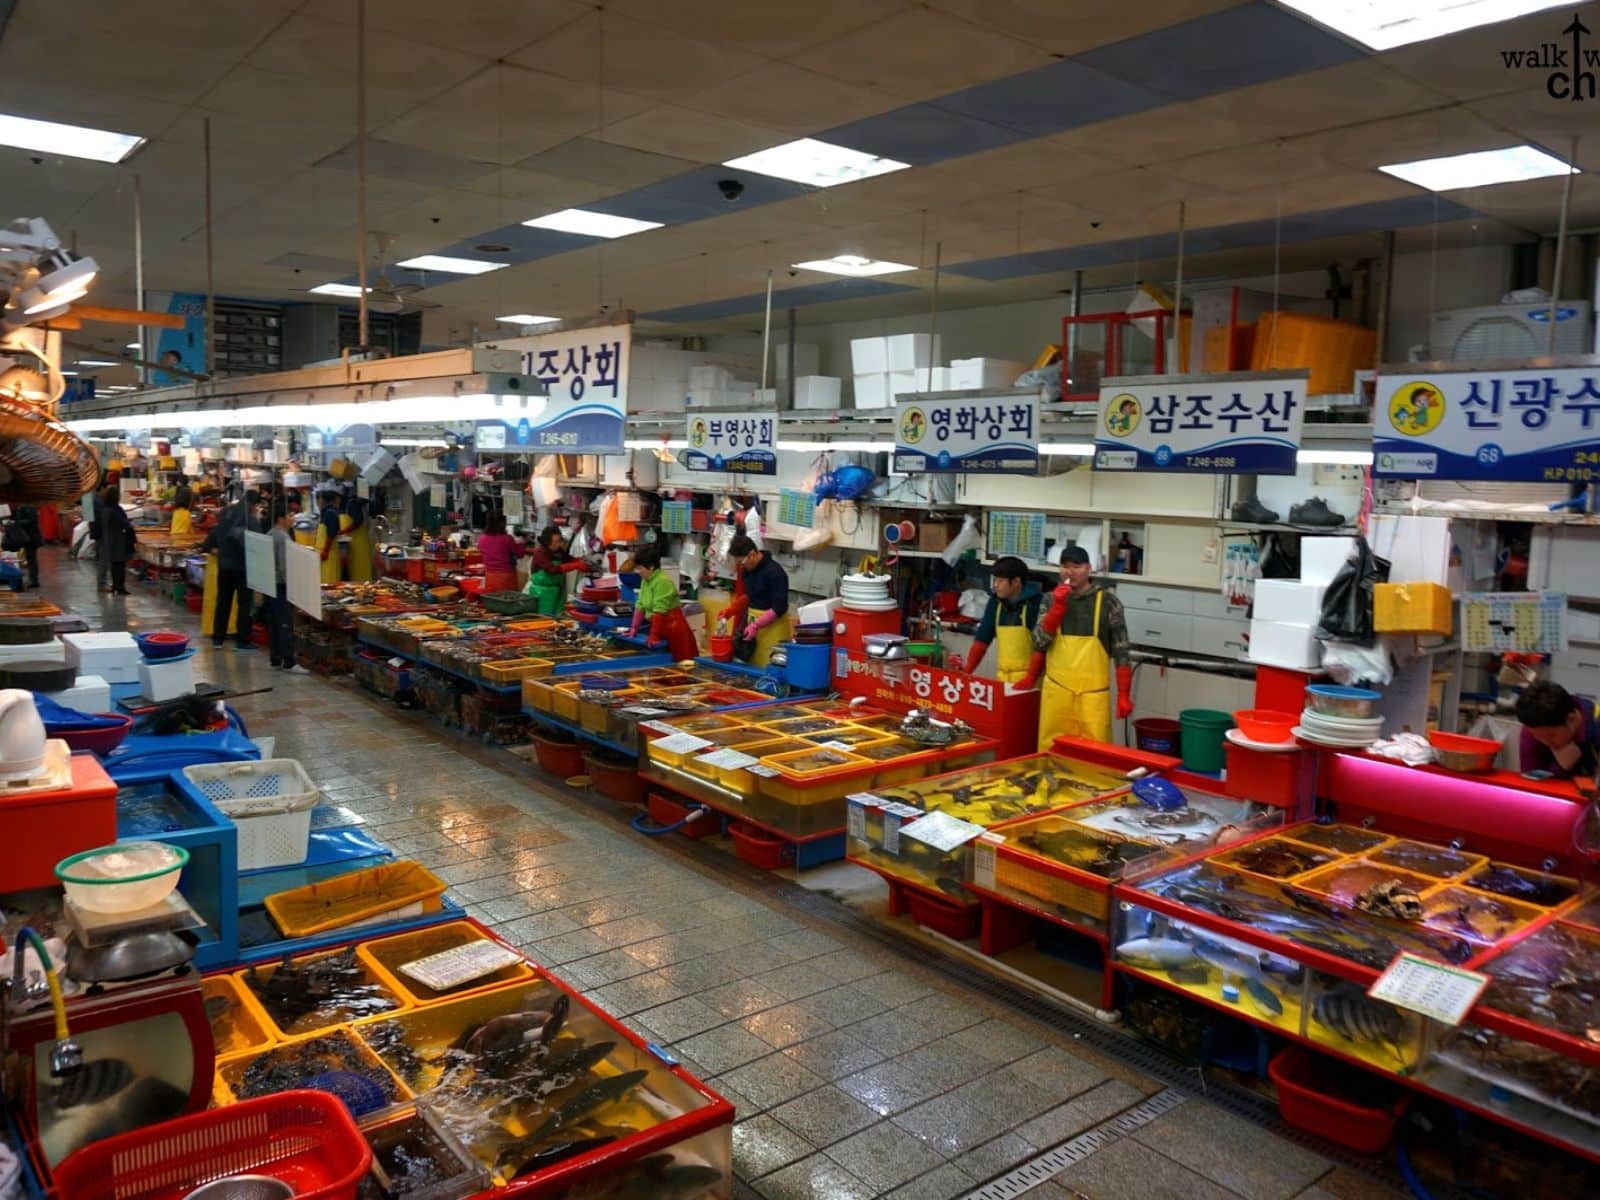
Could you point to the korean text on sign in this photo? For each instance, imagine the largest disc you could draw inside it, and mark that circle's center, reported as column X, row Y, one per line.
column 572, row 372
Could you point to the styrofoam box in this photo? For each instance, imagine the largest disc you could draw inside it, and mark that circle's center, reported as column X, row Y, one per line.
column 817, row 391
column 706, row 377
column 869, row 356
column 1279, row 644
column 90, row 694
column 1289, row 601
column 1321, row 558
column 112, row 656
column 166, row 680
column 765, row 397
column 908, row 351
column 968, row 373
column 51, row 651
column 905, row 383
column 872, row 391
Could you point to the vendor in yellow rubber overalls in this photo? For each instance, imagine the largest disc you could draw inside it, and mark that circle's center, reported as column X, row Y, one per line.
column 1075, row 644
column 359, row 564
column 329, row 525
column 759, row 612
column 1008, row 622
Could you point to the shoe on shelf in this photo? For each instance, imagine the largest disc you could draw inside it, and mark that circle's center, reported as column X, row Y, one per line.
column 1253, row 512
column 1315, row 514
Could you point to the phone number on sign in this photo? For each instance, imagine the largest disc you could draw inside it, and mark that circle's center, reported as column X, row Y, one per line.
column 1210, row 461
column 1572, row 474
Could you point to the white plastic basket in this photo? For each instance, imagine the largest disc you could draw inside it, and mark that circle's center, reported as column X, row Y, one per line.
column 269, row 801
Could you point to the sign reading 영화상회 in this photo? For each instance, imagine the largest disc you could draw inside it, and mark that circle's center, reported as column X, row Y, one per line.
column 986, row 435
column 584, row 411
column 1533, row 421
column 739, row 445
column 1242, row 421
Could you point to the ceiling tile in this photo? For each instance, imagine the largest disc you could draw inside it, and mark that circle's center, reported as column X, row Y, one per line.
column 1550, row 125
column 1147, row 138
column 1125, row 196
column 789, row 98
column 308, row 46
column 1074, row 28
column 595, row 161
column 391, row 160
column 631, row 56
column 1061, row 95
column 1468, row 65
column 1245, row 168
column 921, row 134
column 772, row 30
column 684, row 133
column 921, row 54
column 485, row 28
column 696, row 196
column 1432, row 134
column 1535, row 205
column 320, row 104
column 1347, row 94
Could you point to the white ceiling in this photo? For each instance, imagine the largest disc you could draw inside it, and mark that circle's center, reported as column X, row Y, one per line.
column 483, row 113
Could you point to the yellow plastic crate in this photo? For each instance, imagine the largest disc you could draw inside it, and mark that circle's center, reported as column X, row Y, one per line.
column 396, row 889
column 332, row 1013
column 334, row 1050
column 739, row 739
column 388, row 955
column 538, row 695
column 1013, row 874
column 564, row 703
column 741, row 781
column 238, row 1026
column 812, row 776
column 513, row 669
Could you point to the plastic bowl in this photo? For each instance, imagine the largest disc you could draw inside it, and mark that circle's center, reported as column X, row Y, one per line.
column 97, row 740
column 161, row 645
column 122, row 877
column 1266, row 725
column 1333, row 701
column 1457, row 752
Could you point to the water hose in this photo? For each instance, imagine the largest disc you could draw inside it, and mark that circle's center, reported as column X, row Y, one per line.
column 57, row 1003
column 642, row 822
column 1409, row 1173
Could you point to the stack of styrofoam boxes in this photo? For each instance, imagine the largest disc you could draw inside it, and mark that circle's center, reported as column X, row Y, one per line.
column 88, row 694
column 967, row 374
column 914, row 364
column 715, row 387
column 869, row 360
column 114, row 657
column 1283, row 624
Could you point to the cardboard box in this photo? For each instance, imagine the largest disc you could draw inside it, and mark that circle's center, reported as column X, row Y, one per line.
column 1289, row 601
column 966, row 373
column 869, row 356
column 1321, row 558
column 936, row 535
column 817, row 391
column 1279, row 644
column 872, row 391
column 908, row 351
column 1413, row 608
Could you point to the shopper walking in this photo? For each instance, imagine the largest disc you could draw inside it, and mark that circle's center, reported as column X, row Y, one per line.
column 22, row 536
column 227, row 539
column 117, row 539
column 279, row 612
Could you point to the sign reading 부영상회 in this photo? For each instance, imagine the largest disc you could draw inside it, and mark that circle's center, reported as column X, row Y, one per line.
column 741, row 445
column 1242, row 421
column 986, row 435
column 1524, row 421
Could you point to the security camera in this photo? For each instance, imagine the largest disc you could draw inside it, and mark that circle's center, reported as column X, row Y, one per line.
column 1094, row 224
column 731, row 189
column 793, row 272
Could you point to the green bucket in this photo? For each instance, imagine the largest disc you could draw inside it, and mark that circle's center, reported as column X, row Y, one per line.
column 1200, row 733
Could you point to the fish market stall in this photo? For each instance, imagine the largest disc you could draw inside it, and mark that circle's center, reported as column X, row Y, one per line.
column 1290, row 928
column 786, row 769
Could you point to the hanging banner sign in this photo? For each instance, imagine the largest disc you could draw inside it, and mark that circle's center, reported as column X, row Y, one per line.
column 342, row 439
column 741, row 445
column 1516, row 421
column 585, row 372
column 988, row 435
column 1241, row 421
column 209, row 438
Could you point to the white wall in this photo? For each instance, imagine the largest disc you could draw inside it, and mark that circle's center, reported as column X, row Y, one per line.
column 1424, row 283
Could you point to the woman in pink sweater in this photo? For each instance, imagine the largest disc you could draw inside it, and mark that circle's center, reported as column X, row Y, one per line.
column 500, row 553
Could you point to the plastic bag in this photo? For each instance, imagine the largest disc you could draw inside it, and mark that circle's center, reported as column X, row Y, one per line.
column 1358, row 666
column 1347, row 604
column 750, row 522
column 1277, row 562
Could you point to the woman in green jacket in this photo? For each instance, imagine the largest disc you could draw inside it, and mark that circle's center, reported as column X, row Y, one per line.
column 658, row 602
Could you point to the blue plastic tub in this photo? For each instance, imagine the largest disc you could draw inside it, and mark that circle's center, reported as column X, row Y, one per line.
column 809, row 665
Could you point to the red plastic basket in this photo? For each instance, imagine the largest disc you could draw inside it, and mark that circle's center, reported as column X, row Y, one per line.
column 956, row 921
column 307, row 1139
column 558, row 753
column 98, row 741
column 760, row 849
column 664, row 810
column 619, row 780
column 1307, row 1100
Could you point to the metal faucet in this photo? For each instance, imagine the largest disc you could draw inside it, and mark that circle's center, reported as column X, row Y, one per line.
column 66, row 1056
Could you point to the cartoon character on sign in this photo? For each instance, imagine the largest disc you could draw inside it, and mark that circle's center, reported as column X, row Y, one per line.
column 1417, row 409
column 912, row 426
column 1122, row 416
column 697, row 434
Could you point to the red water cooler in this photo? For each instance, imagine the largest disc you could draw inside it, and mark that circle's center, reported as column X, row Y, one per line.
column 850, row 630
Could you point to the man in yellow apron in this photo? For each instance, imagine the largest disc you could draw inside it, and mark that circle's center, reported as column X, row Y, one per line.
column 760, row 613
column 1075, row 644
column 359, row 563
column 1008, row 622
column 329, row 526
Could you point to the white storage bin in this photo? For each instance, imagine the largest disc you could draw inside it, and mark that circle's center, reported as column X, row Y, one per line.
column 872, row 391
column 1279, row 644
column 112, row 656
column 89, row 694
column 869, row 356
column 269, row 801
column 166, row 679
column 968, row 373
column 908, row 351
column 1321, row 558
column 1289, row 600
column 817, row 391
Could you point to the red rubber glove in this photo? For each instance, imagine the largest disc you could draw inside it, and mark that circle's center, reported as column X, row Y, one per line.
column 1124, row 693
column 974, row 657
column 1051, row 621
column 1035, row 669
column 658, row 636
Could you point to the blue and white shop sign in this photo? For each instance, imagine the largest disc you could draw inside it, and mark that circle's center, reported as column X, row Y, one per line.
column 1240, row 421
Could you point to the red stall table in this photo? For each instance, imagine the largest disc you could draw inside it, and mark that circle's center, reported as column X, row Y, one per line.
column 39, row 829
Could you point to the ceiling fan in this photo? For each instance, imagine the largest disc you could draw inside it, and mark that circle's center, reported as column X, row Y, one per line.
column 387, row 296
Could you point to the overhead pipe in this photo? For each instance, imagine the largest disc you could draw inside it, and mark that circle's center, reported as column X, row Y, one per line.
column 1561, row 250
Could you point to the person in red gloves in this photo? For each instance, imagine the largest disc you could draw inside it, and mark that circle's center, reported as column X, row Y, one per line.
column 1008, row 621
column 658, row 603
column 1075, row 645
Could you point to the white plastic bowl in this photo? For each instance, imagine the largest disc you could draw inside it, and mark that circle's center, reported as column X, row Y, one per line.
column 122, row 877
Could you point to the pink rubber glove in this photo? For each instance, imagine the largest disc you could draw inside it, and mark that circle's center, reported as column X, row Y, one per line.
column 638, row 619
column 760, row 623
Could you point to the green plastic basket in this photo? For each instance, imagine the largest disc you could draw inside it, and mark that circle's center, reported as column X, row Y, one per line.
column 509, row 603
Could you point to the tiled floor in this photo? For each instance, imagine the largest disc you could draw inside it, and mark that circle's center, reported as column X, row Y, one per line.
column 855, row 1073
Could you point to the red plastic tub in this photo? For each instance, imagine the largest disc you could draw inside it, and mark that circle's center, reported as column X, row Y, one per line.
column 664, row 810
column 1266, row 725
column 760, row 849
column 949, row 917
column 305, row 1138
column 722, row 647
column 558, row 753
column 1314, row 1094
column 98, row 741
column 1156, row 735
column 195, row 600
column 615, row 777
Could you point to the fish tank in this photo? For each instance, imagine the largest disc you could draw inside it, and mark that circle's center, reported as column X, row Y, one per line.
column 318, row 991
column 526, row 1079
column 1341, row 1017
column 1565, row 1085
column 1550, row 978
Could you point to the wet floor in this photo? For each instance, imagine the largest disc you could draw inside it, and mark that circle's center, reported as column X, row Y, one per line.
column 856, row 1072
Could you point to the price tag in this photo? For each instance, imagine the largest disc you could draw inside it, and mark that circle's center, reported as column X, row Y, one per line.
column 644, row 710
column 728, row 759
column 764, row 771
column 942, row 831
column 894, row 816
column 855, row 813
column 680, row 743
column 837, row 745
column 656, row 726
column 983, row 857
column 1437, row 990
column 459, row 965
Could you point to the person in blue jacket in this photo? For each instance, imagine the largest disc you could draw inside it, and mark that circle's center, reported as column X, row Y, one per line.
column 1008, row 621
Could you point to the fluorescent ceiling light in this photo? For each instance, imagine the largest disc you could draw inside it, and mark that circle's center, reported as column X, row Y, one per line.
column 594, row 224
column 406, row 410
column 389, row 441
column 820, row 164
column 134, row 346
column 848, row 447
column 1337, row 458
column 74, row 141
column 853, row 264
column 527, row 319
column 96, row 362
column 1401, row 22
column 338, row 289
column 236, row 441
column 656, row 443
column 456, row 266
column 1513, row 164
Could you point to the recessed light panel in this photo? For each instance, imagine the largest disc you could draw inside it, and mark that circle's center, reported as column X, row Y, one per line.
column 455, row 266
column 73, row 141
column 853, row 265
column 1401, row 22
column 820, row 164
column 1513, row 164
